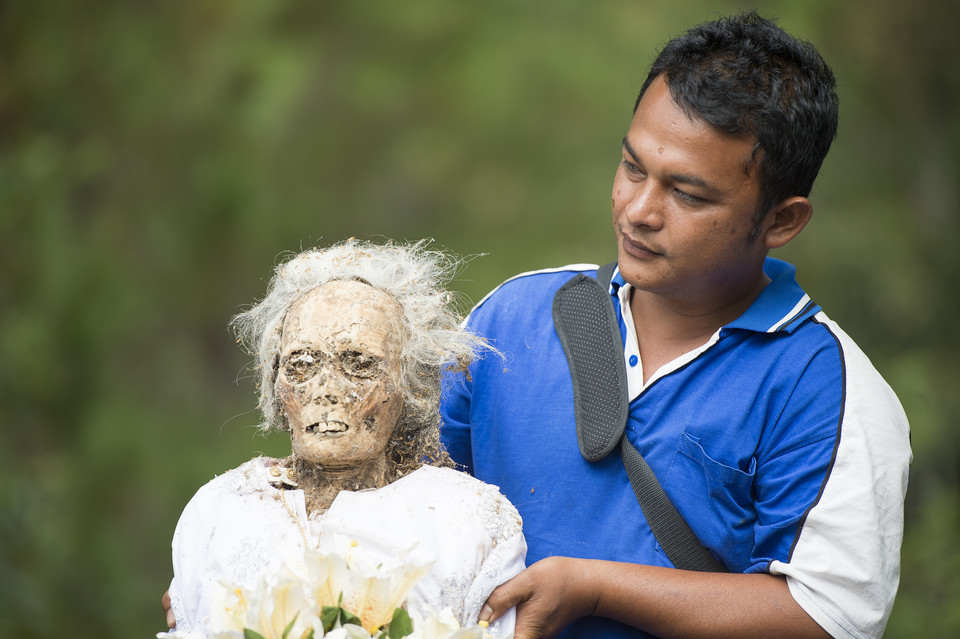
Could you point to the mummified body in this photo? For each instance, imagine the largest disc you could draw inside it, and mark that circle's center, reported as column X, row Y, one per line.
column 350, row 343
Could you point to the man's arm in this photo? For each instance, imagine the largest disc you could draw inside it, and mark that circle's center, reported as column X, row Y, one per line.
column 666, row 602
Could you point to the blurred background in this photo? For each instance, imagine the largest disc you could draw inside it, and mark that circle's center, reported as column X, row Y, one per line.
column 157, row 159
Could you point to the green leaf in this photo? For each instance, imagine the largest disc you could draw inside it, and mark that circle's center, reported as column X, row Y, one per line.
column 252, row 634
column 400, row 625
column 286, row 631
column 349, row 617
column 329, row 616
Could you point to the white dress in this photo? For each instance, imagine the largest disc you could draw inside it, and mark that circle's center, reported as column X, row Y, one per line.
column 239, row 527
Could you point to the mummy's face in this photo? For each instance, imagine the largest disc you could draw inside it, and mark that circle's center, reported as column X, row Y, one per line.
column 339, row 373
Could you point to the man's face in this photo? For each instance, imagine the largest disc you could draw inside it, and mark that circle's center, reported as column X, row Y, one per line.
column 683, row 206
column 339, row 376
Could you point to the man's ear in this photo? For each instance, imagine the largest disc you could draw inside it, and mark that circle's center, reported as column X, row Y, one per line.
column 785, row 221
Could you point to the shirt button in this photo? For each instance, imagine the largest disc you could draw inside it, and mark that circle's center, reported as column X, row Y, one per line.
column 633, row 360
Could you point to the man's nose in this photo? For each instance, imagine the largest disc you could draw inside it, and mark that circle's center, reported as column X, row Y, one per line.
column 645, row 207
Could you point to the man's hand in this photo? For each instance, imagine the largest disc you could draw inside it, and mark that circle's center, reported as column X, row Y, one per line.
column 555, row 592
column 165, row 601
column 549, row 595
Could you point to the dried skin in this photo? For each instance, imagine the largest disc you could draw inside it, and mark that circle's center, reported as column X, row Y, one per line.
column 338, row 383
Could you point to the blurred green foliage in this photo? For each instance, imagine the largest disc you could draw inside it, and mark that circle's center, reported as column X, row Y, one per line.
column 158, row 157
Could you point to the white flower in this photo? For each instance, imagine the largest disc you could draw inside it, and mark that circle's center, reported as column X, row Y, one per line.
column 350, row 631
column 296, row 595
column 370, row 591
column 442, row 625
column 277, row 601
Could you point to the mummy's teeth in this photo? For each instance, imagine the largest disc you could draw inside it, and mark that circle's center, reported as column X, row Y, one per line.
column 326, row 427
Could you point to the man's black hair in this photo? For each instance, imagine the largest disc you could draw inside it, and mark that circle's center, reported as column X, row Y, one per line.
column 746, row 76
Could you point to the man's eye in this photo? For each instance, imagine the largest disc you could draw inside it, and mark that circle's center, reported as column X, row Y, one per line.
column 631, row 167
column 356, row 364
column 686, row 197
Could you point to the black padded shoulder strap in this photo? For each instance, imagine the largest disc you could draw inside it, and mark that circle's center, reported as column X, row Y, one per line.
column 587, row 327
column 678, row 541
column 588, row 330
column 605, row 275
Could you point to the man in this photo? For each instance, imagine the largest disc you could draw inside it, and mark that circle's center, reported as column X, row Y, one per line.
column 768, row 428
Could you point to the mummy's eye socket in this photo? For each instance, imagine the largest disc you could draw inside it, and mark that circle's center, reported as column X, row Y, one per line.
column 299, row 366
column 356, row 364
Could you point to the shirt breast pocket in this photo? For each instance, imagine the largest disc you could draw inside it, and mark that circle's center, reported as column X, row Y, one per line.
column 716, row 499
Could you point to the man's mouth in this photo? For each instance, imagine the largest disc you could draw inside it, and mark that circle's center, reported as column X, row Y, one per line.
column 637, row 248
column 327, row 428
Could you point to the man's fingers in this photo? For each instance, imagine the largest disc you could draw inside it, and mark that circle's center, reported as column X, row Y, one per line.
column 549, row 595
column 504, row 597
column 165, row 601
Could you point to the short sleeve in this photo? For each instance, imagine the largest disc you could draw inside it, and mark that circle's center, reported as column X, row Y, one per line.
column 845, row 562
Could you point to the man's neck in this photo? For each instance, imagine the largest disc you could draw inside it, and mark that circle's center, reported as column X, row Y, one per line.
column 667, row 327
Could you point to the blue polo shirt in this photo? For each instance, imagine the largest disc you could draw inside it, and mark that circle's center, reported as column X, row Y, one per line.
column 742, row 433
